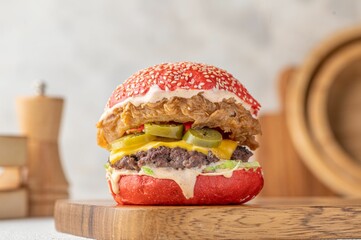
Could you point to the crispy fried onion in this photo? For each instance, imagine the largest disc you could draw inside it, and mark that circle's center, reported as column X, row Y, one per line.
column 227, row 115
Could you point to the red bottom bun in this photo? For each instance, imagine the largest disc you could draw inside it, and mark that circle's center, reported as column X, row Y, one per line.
column 209, row 190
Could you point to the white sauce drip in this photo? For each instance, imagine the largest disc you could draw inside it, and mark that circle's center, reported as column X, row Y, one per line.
column 114, row 177
column 156, row 94
column 186, row 179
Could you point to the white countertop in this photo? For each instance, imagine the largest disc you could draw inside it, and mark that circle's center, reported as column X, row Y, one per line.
column 31, row 228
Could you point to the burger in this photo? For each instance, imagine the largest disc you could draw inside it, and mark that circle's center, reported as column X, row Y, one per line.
column 181, row 134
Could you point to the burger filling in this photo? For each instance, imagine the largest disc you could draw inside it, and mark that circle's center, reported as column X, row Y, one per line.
column 177, row 158
column 178, row 139
column 228, row 116
column 174, row 145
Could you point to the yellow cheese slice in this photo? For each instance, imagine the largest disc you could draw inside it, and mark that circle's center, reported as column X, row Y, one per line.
column 223, row 151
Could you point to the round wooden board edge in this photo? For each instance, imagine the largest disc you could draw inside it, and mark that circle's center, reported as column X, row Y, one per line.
column 264, row 218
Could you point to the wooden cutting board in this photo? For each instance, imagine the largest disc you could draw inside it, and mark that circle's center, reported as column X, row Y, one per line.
column 262, row 218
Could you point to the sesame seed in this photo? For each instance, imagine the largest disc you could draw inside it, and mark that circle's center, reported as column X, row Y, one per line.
column 167, row 75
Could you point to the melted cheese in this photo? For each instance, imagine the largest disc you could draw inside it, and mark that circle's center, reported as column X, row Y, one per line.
column 186, row 178
column 223, row 151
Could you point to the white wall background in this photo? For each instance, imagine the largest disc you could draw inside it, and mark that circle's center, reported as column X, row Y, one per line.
column 84, row 48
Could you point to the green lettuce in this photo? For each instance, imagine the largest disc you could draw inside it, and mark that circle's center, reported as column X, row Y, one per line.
column 231, row 164
column 147, row 170
column 106, row 166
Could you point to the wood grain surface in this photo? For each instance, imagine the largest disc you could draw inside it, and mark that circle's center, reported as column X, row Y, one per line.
column 10, row 178
column 13, row 151
column 335, row 113
column 297, row 116
column 262, row 218
column 285, row 173
column 13, row 204
column 40, row 121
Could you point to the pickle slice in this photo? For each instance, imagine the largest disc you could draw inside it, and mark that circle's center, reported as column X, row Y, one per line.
column 204, row 137
column 174, row 131
column 132, row 140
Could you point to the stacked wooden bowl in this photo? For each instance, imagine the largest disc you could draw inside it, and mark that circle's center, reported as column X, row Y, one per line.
column 323, row 105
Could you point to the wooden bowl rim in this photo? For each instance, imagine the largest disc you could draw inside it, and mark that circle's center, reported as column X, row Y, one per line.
column 296, row 97
column 317, row 108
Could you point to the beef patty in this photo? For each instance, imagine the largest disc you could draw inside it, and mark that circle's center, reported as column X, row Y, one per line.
column 177, row 158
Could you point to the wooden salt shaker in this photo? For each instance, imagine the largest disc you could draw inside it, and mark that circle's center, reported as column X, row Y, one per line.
column 40, row 118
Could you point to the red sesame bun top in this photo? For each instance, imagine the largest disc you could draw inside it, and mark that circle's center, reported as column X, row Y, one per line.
column 189, row 76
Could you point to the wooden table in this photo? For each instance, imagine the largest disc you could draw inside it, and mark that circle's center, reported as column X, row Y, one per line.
column 261, row 218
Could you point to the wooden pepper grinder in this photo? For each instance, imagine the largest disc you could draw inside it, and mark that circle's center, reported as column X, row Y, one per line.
column 40, row 118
